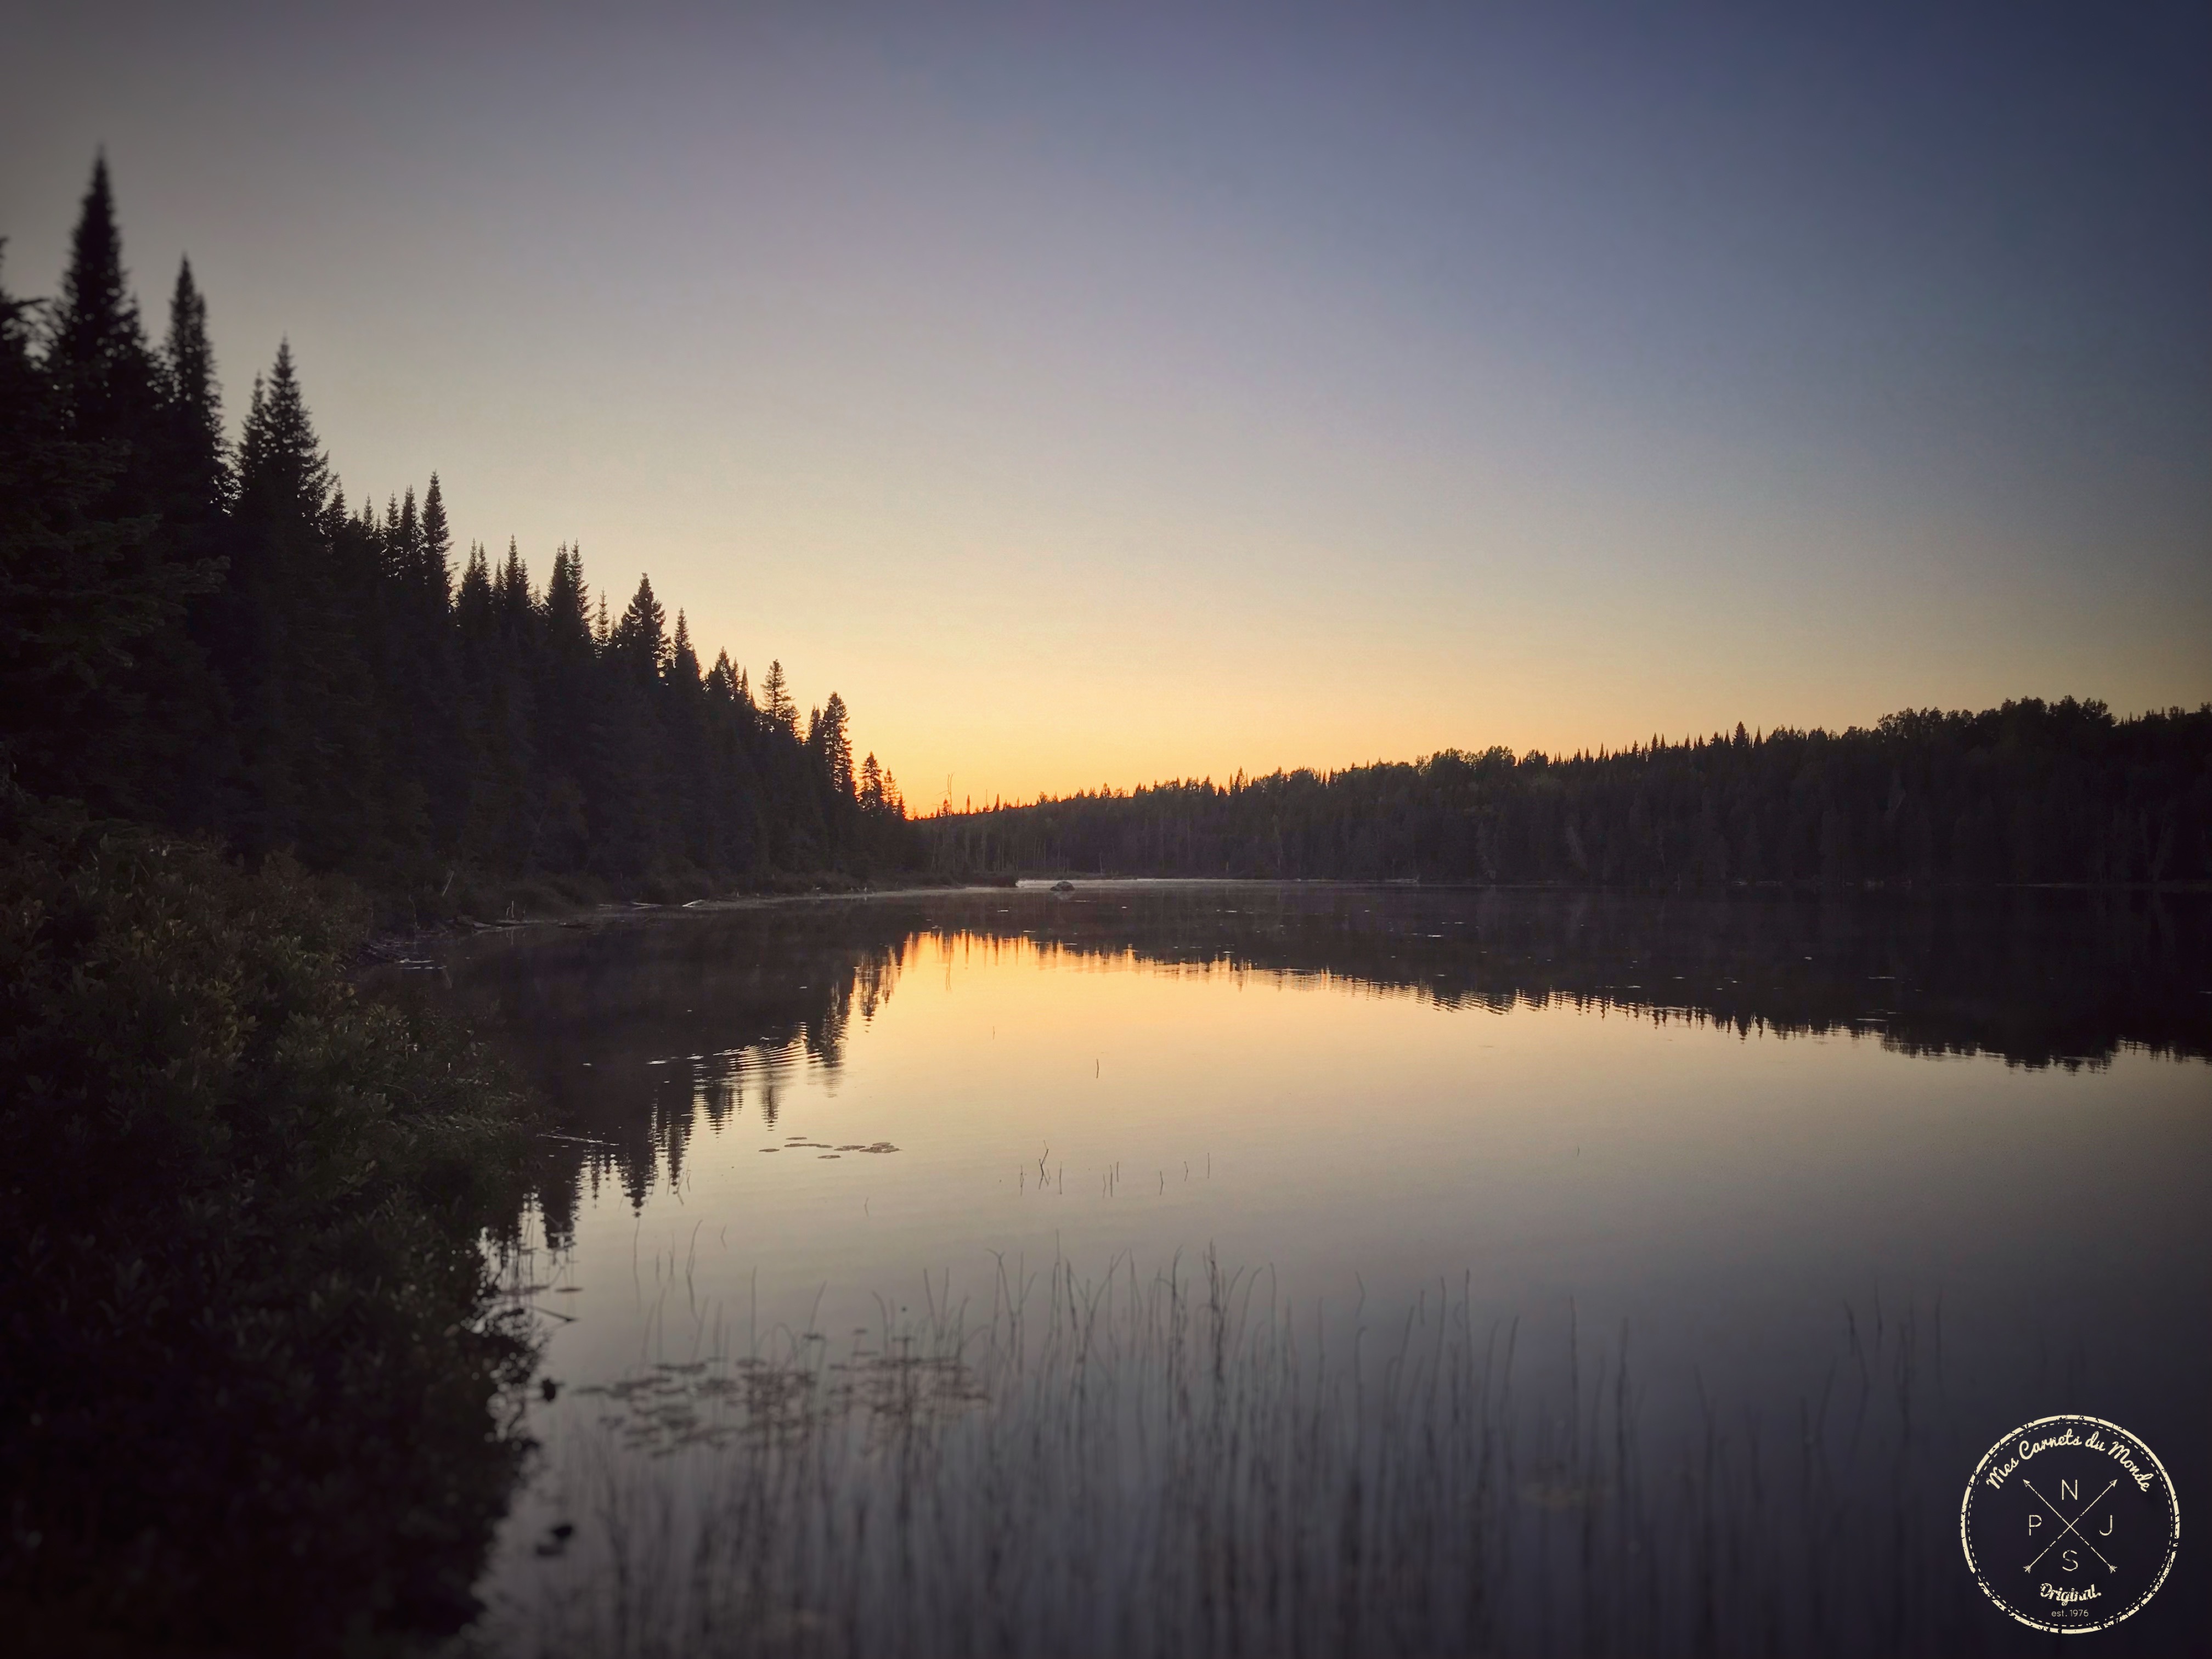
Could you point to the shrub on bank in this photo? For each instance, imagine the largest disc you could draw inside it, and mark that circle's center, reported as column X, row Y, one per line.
column 251, row 1367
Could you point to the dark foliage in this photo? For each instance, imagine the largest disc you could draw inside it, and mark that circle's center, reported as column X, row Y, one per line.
column 2031, row 792
column 213, row 641
column 250, row 1361
column 251, row 1367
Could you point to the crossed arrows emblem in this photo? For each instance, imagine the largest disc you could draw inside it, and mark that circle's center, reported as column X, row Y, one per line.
column 2066, row 1526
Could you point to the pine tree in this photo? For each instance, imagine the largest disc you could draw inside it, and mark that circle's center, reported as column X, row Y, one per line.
column 567, row 710
column 776, row 707
column 98, row 355
column 76, row 595
column 288, row 645
column 835, row 744
column 402, row 543
column 514, row 601
column 283, row 472
column 641, row 638
column 335, row 692
column 196, row 460
column 435, row 553
column 184, row 758
column 475, row 606
column 683, row 660
column 569, row 606
column 104, row 606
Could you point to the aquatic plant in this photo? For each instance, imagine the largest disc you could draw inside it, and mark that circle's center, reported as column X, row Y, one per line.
column 1179, row 1464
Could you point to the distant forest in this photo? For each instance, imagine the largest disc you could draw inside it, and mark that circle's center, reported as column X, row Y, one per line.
column 2031, row 792
column 208, row 638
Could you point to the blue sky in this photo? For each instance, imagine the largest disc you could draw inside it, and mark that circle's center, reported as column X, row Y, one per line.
column 1094, row 394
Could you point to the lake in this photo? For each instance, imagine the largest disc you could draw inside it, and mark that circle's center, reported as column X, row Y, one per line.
column 1297, row 1268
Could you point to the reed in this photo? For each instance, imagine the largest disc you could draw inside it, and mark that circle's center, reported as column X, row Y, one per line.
column 1180, row 1463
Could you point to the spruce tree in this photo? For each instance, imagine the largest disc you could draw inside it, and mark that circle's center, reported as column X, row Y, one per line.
column 568, row 711
column 422, row 683
column 435, row 553
column 514, row 601
column 184, row 760
column 474, row 611
column 282, row 473
column 835, row 743
column 290, row 647
column 105, row 388
column 195, row 458
column 98, row 355
column 776, row 707
column 568, row 605
column 403, row 558
column 76, row 593
column 334, row 693
column 641, row 638
column 683, row 660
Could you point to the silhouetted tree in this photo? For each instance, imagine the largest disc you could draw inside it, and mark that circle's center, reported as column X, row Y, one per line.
column 103, row 372
column 77, row 594
column 2029, row 792
column 218, row 641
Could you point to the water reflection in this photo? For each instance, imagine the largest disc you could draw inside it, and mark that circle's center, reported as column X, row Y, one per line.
column 1733, row 1138
column 639, row 1030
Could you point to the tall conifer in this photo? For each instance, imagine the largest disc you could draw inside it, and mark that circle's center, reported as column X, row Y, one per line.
column 473, row 606
column 569, row 605
column 282, row 469
column 835, row 744
column 404, row 544
column 195, row 461
column 358, row 708
column 641, row 638
column 76, row 592
column 98, row 354
column 776, row 707
column 435, row 553
column 682, row 660
column 515, row 593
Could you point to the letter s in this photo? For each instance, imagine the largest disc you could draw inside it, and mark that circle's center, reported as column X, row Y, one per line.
column 2072, row 1563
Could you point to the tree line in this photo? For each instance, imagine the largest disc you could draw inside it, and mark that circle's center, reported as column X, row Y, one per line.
column 2030, row 792
column 209, row 637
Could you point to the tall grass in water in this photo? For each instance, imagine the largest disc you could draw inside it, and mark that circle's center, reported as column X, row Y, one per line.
column 1179, row 1464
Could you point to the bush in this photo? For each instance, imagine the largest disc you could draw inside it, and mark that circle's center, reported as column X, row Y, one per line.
column 254, row 1387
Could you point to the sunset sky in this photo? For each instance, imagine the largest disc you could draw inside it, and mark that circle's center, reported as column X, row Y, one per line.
column 1096, row 394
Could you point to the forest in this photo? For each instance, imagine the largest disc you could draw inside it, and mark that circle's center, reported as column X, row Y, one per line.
column 2032, row 791
column 209, row 638
column 258, row 1390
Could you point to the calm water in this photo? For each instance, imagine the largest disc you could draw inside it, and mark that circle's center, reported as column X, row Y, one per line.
column 1955, row 1155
